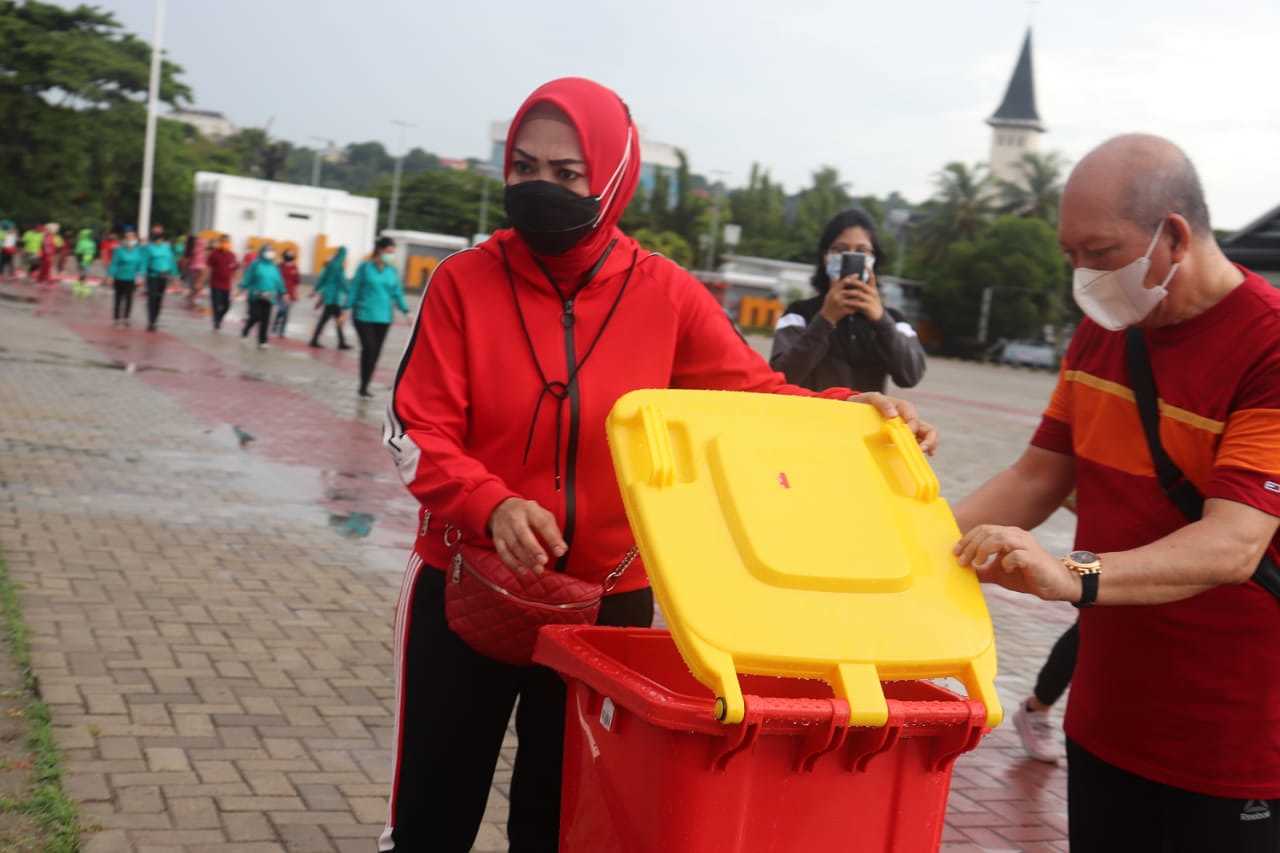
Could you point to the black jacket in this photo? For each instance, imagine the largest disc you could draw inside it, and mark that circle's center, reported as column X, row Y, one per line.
column 855, row 353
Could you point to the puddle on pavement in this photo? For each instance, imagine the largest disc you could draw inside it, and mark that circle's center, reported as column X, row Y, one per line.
column 65, row 361
column 18, row 297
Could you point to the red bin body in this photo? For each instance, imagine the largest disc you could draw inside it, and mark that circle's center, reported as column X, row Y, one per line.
column 649, row 770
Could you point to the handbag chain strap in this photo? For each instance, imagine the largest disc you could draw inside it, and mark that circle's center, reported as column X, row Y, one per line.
column 453, row 535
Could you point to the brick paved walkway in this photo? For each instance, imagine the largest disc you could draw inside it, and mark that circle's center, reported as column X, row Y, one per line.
column 216, row 651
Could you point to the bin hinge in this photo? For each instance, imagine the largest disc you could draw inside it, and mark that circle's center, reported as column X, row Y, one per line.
column 866, row 743
column 959, row 739
column 738, row 737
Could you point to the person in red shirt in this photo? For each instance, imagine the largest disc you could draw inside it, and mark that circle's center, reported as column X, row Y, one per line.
column 49, row 249
column 289, row 272
column 108, row 247
column 496, row 424
column 1173, row 723
column 222, row 271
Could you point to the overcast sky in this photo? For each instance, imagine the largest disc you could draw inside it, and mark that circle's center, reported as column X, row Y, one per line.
column 888, row 92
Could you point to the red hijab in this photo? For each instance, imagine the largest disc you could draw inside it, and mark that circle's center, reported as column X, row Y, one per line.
column 611, row 149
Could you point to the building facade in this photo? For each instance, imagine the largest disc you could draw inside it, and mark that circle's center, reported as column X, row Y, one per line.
column 210, row 124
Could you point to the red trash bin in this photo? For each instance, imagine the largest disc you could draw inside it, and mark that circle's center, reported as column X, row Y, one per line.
column 648, row 769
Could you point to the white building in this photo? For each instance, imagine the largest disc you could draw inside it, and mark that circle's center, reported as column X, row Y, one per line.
column 207, row 123
column 1016, row 125
column 313, row 221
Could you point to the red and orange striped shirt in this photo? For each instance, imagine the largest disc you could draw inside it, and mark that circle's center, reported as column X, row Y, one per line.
column 1187, row 694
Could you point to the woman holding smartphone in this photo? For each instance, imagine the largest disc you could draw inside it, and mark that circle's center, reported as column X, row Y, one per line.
column 845, row 337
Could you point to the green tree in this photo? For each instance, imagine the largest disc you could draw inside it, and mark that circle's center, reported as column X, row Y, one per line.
column 666, row 243
column 960, row 209
column 443, row 201
column 815, row 206
column 71, row 83
column 1038, row 190
column 1020, row 260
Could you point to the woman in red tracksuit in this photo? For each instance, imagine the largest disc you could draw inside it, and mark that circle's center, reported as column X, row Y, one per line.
column 496, row 423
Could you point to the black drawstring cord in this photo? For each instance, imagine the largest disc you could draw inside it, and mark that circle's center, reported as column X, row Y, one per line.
column 559, row 391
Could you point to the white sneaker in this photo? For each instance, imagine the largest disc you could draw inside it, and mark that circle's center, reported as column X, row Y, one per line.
column 264, row 346
column 1040, row 736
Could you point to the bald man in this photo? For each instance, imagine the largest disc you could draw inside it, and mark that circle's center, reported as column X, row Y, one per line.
column 1173, row 724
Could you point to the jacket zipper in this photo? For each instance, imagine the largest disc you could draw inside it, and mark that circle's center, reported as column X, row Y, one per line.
column 571, row 464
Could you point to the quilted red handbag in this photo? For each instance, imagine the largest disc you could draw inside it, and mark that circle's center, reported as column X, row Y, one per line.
column 497, row 611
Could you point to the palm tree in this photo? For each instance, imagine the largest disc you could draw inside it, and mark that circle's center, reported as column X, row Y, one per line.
column 1038, row 190
column 960, row 208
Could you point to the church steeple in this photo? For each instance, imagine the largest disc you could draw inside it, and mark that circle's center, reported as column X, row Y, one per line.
column 1016, row 125
column 1018, row 109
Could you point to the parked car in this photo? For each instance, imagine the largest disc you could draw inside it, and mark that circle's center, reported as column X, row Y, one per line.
column 1029, row 354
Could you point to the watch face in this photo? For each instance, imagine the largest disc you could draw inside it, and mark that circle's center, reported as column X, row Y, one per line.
column 1083, row 558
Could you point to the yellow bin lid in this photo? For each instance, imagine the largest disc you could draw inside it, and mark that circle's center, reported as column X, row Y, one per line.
column 798, row 537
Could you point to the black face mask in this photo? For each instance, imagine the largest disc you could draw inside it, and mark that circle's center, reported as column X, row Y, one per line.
column 550, row 218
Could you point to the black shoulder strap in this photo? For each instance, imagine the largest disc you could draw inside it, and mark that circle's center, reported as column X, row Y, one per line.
column 1185, row 496
column 1180, row 490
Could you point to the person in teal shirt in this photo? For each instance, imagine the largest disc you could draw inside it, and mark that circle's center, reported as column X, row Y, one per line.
column 128, row 262
column 264, row 285
column 331, row 292
column 375, row 288
column 160, row 265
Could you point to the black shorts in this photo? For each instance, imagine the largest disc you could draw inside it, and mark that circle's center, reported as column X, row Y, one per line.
column 1114, row 810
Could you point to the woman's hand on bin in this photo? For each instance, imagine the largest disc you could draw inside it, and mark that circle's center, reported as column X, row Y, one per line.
column 893, row 407
column 523, row 532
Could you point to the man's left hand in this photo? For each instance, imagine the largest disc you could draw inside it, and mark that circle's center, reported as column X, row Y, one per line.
column 1013, row 559
column 893, row 407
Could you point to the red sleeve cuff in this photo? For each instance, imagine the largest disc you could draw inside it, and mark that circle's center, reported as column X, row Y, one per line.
column 1251, row 488
column 480, row 504
column 1053, row 435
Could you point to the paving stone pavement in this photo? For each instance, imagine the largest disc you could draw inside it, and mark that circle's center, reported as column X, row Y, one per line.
column 216, row 653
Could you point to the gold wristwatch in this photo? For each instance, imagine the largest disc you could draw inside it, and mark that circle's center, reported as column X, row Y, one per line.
column 1088, row 566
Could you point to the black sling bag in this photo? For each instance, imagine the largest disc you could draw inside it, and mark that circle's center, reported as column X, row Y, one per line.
column 1184, row 494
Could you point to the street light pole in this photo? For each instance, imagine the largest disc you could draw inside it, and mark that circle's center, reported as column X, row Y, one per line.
column 149, row 145
column 715, row 217
column 315, row 164
column 395, row 180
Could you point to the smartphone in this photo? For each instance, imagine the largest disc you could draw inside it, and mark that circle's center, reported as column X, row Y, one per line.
column 856, row 264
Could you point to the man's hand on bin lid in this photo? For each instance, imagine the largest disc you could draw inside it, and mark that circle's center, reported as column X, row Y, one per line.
column 893, row 407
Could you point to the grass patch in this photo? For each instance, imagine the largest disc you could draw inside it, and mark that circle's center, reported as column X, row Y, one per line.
column 45, row 803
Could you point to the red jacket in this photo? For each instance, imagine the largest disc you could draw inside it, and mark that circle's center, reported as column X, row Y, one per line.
column 467, row 398
column 289, row 272
column 222, row 268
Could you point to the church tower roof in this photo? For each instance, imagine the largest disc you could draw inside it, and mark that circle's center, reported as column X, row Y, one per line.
column 1018, row 109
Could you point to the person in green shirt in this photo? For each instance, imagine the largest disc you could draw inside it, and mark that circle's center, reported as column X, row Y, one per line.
column 374, row 289
column 86, row 249
column 331, row 292
column 127, row 263
column 32, row 242
column 264, row 285
column 160, row 265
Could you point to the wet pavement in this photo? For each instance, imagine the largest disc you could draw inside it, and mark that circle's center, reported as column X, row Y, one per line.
column 210, row 540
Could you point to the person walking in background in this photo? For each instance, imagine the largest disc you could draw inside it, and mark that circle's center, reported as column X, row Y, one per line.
column 107, row 247
column 845, row 336
column 222, row 269
column 161, row 264
column 288, row 272
column 264, row 286
column 195, row 253
column 331, row 292
column 86, row 250
column 8, row 247
column 50, row 241
column 374, row 289
column 32, row 246
column 61, row 250
column 128, row 261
